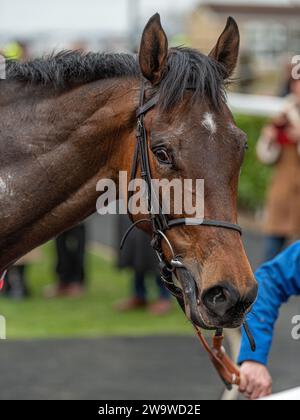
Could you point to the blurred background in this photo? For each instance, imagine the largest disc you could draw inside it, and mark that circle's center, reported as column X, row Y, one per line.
column 95, row 292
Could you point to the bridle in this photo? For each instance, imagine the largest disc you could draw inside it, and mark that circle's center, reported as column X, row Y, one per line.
column 160, row 223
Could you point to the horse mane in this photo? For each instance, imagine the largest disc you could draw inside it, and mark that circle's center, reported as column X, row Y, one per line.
column 66, row 69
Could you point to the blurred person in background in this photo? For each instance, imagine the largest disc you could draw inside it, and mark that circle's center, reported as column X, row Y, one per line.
column 15, row 285
column 70, row 268
column 279, row 145
column 138, row 255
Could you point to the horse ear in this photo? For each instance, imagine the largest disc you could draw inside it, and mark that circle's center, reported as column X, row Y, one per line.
column 226, row 50
column 153, row 50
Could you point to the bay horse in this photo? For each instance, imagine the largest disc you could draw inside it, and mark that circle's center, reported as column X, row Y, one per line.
column 69, row 120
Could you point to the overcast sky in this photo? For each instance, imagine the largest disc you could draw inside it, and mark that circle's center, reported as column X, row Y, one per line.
column 27, row 16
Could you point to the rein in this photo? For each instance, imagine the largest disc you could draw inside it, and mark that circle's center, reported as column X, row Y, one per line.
column 160, row 223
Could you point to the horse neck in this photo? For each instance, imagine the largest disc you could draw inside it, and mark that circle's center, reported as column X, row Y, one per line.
column 53, row 159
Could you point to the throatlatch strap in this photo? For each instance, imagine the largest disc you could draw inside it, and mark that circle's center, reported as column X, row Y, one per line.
column 204, row 222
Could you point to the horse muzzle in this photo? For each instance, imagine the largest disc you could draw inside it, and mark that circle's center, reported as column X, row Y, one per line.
column 218, row 307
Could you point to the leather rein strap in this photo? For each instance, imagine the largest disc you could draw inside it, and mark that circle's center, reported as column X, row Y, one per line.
column 160, row 223
column 229, row 372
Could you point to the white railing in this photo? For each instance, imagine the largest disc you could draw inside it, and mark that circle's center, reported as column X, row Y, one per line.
column 290, row 395
column 267, row 106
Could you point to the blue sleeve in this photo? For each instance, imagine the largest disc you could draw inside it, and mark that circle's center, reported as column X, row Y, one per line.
column 278, row 280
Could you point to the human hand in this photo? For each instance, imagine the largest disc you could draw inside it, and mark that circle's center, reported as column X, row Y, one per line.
column 294, row 133
column 256, row 381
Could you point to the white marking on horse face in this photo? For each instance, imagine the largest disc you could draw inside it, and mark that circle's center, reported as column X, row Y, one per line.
column 209, row 123
column 5, row 187
column 2, row 185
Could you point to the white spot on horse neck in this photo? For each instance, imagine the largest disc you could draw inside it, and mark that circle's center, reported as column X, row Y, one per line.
column 209, row 123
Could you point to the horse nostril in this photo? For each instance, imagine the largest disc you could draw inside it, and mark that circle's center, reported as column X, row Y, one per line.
column 220, row 299
column 216, row 295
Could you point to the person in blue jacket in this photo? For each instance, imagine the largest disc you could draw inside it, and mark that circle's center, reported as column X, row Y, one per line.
column 278, row 279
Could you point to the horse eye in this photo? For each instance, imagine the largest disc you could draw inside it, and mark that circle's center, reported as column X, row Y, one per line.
column 162, row 156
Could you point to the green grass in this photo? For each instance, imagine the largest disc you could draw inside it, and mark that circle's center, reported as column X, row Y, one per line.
column 90, row 316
